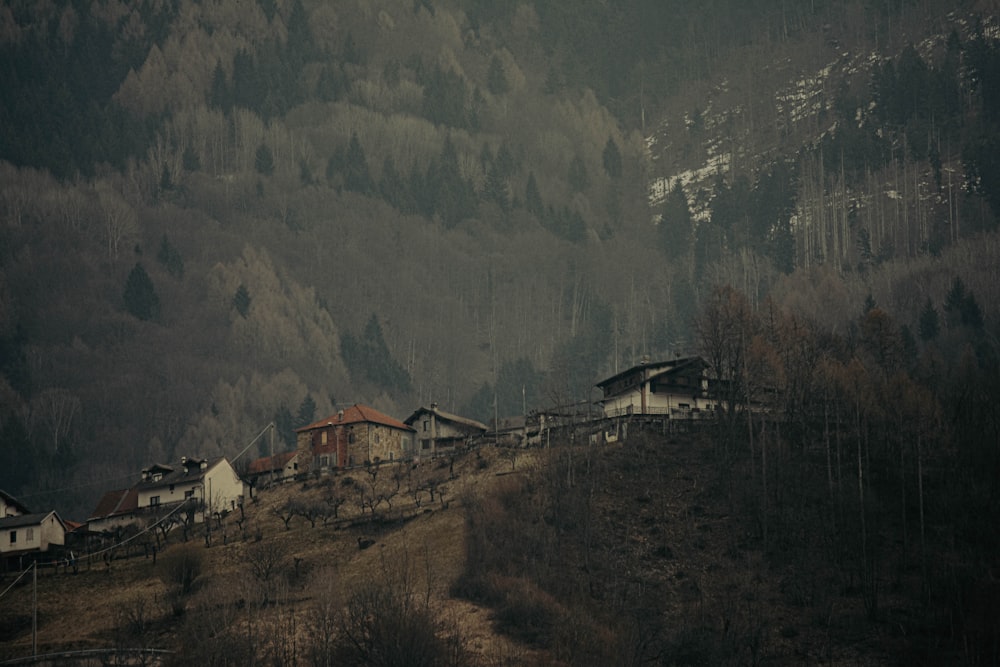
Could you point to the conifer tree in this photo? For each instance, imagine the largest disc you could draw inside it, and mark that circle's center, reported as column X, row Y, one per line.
column 241, row 301
column 140, row 296
column 612, row 159
column 929, row 324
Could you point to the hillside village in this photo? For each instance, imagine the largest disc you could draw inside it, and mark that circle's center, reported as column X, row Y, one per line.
column 213, row 212
column 181, row 495
column 372, row 470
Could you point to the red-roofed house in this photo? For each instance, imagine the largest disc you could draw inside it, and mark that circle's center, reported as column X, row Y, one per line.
column 353, row 437
column 115, row 509
column 277, row 468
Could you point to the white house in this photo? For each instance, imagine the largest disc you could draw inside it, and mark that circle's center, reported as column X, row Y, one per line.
column 675, row 389
column 31, row 533
column 11, row 506
column 209, row 486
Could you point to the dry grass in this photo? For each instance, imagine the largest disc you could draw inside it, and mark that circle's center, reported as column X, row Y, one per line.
column 423, row 544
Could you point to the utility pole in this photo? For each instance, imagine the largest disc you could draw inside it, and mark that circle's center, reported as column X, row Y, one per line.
column 34, row 609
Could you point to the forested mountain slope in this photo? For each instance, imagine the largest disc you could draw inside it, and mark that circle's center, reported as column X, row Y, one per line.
column 219, row 214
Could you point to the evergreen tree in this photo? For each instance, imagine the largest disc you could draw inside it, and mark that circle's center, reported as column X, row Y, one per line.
column 218, row 96
column 140, row 296
column 612, row 159
column 241, row 301
column 357, row 177
column 961, row 307
column 368, row 359
column 505, row 163
column 170, row 258
column 392, row 187
column 496, row 77
column 307, row 412
column 495, row 189
column 929, row 323
column 284, row 424
column 190, row 160
column 675, row 227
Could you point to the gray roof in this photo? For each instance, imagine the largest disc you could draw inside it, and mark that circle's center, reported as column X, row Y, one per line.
column 189, row 470
column 11, row 500
column 26, row 520
column 447, row 416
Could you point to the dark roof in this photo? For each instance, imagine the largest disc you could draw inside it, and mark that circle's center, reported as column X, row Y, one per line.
column 11, row 500
column 447, row 416
column 28, row 520
column 121, row 501
column 356, row 414
column 657, row 368
column 185, row 470
column 269, row 463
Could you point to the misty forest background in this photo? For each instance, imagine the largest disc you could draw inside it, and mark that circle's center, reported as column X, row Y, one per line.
column 219, row 214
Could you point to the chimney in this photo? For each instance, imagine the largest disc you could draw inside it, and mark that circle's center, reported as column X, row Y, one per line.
column 340, row 415
column 434, row 406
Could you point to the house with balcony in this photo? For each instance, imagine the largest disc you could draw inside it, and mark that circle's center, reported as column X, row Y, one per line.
column 206, row 486
column 675, row 389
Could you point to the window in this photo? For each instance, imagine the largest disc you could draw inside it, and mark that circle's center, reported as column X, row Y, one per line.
column 427, row 425
column 171, row 488
column 189, row 494
column 350, row 438
column 322, row 438
column 13, row 537
column 154, row 501
column 324, row 461
column 425, row 444
column 29, row 534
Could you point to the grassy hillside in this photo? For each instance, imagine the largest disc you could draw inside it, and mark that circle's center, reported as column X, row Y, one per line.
column 655, row 551
column 207, row 207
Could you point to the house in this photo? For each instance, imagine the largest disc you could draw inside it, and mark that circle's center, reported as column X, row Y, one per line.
column 210, row 486
column 277, row 468
column 11, row 506
column 353, row 437
column 116, row 509
column 675, row 389
column 438, row 431
column 25, row 534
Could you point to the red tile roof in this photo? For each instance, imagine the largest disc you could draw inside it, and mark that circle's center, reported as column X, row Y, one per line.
column 269, row 463
column 121, row 501
column 357, row 414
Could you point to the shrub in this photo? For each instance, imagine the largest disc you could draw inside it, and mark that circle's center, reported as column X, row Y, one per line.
column 182, row 565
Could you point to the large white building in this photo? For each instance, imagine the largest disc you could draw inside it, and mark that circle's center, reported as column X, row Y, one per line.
column 675, row 389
